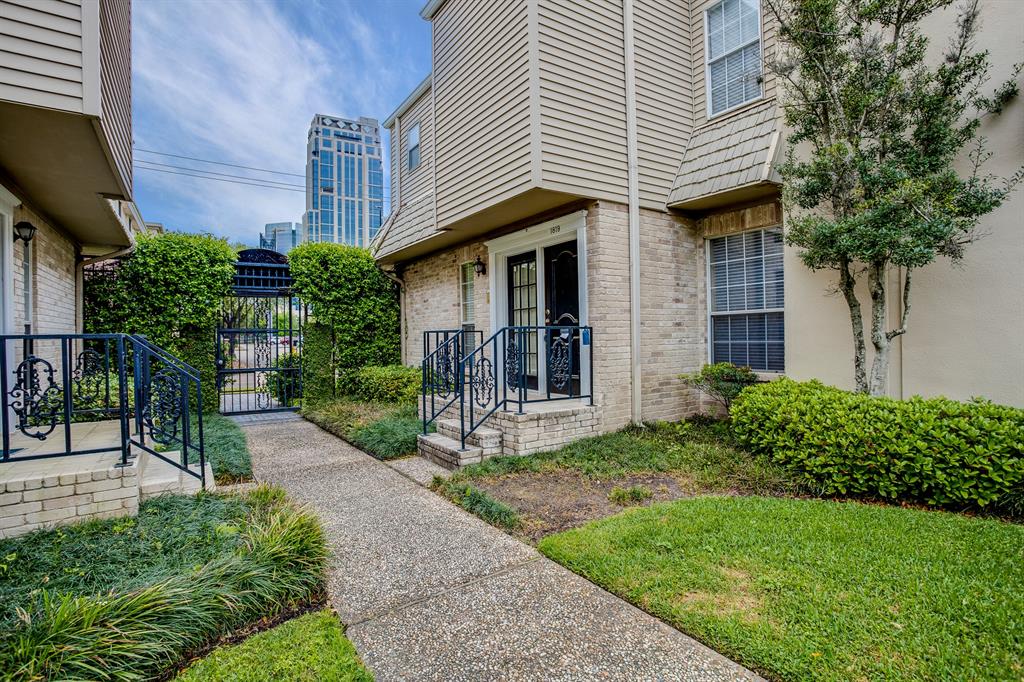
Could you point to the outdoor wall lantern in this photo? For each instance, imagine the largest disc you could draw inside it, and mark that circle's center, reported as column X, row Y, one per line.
column 24, row 231
column 479, row 266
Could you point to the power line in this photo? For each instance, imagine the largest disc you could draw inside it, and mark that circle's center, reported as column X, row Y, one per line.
column 219, row 163
column 207, row 177
column 223, row 175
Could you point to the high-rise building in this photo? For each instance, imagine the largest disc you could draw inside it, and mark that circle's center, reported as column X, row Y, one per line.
column 344, row 181
column 280, row 237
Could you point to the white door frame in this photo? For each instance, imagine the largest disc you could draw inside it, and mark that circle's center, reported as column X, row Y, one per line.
column 7, row 203
column 535, row 238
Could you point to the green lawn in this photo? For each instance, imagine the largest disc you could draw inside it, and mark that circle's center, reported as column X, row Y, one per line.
column 310, row 648
column 385, row 430
column 226, row 449
column 809, row 589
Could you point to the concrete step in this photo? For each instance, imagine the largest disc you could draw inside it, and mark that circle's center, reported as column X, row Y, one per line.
column 159, row 477
column 446, row 451
column 484, row 437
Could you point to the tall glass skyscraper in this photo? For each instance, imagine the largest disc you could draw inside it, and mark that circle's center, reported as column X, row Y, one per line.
column 344, row 181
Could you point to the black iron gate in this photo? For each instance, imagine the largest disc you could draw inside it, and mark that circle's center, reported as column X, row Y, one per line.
column 259, row 339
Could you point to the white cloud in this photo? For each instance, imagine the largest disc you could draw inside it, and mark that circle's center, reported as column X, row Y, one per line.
column 238, row 82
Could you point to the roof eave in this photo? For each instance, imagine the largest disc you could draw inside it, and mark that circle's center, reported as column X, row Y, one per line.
column 408, row 101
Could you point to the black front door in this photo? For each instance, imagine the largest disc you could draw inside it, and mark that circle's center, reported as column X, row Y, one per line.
column 562, row 309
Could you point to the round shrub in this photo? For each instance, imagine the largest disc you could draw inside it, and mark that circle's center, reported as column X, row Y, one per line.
column 387, row 384
column 935, row 451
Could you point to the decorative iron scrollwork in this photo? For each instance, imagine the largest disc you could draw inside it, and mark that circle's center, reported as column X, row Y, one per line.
column 513, row 363
column 89, row 377
column 446, row 370
column 36, row 398
column 264, row 400
column 558, row 361
column 483, row 381
column 162, row 412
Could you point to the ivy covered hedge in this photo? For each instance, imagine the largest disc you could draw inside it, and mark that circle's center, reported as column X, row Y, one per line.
column 355, row 316
column 934, row 451
column 387, row 384
column 169, row 289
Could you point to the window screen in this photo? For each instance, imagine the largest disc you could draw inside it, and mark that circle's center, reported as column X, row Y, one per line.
column 733, row 53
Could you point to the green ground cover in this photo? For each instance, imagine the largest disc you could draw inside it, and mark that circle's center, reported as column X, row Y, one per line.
column 385, row 430
column 311, row 648
column 226, row 449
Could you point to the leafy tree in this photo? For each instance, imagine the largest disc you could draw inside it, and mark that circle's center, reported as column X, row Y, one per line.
column 722, row 381
column 878, row 188
column 349, row 296
column 170, row 290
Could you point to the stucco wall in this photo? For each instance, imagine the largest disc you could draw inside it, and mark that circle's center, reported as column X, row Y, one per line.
column 966, row 326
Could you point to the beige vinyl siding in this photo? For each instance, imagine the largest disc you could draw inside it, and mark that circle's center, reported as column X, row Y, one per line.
column 481, row 105
column 697, row 54
column 41, row 53
column 116, row 83
column 582, row 97
column 396, row 190
column 663, row 94
column 420, row 180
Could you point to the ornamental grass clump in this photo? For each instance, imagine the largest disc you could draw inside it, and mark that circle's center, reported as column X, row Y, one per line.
column 141, row 633
column 933, row 451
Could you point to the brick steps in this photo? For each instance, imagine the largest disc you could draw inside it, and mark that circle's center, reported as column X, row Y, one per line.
column 541, row 426
column 158, row 477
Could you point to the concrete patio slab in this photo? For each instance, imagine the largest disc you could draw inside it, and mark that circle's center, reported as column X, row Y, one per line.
column 418, row 469
column 430, row 592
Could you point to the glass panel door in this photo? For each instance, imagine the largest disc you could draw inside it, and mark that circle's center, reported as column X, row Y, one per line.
column 522, row 310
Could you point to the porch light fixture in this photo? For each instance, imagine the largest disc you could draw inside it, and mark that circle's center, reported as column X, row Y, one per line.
column 479, row 266
column 24, row 231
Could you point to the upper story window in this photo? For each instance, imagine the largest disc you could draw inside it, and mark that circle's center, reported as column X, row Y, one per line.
column 413, row 140
column 733, row 42
column 747, row 299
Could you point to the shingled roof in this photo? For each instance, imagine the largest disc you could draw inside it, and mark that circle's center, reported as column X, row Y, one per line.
column 411, row 223
column 728, row 154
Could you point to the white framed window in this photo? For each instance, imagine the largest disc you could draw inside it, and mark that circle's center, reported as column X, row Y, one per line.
column 732, row 41
column 746, row 300
column 413, row 141
column 466, row 274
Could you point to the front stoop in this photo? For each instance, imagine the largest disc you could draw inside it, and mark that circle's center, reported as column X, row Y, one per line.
column 541, row 426
column 157, row 477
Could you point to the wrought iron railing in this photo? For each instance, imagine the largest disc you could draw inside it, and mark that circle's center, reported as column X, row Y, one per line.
column 53, row 385
column 442, row 351
column 506, row 370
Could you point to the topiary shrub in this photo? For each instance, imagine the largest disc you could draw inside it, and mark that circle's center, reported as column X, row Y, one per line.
column 934, row 451
column 318, row 366
column 349, row 295
column 168, row 289
column 721, row 381
column 387, row 384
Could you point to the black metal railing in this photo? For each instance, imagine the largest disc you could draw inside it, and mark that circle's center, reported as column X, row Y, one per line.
column 442, row 351
column 54, row 384
column 505, row 370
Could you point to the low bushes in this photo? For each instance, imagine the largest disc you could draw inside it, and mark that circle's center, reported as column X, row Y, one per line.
column 384, row 430
column 387, row 383
column 936, row 451
column 226, row 449
column 274, row 560
column 477, row 502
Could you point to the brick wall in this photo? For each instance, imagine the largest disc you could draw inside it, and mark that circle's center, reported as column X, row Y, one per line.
column 673, row 314
column 54, row 293
column 432, row 297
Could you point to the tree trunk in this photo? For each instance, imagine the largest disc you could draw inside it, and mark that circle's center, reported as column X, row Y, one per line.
column 848, row 284
column 879, row 337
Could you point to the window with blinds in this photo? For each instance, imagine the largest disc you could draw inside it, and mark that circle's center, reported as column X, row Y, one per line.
column 466, row 274
column 747, row 299
column 733, row 44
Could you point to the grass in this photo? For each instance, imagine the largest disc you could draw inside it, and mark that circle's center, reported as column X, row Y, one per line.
column 477, row 502
column 701, row 450
column 634, row 494
column 310, row 648
column 810, row 589
column 143, row 596
column 384, row 430
column 226, row 449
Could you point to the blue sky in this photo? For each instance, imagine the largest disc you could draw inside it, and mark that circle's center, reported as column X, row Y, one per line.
column 239, row 81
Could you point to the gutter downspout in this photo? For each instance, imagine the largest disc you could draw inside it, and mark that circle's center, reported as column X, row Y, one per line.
column 634, row 210
column 397, row 279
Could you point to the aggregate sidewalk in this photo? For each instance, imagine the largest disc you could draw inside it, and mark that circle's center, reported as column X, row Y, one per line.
column 429, row 592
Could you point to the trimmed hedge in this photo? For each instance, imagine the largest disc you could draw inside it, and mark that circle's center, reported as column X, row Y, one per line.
column 935, row 451
column 387, row 383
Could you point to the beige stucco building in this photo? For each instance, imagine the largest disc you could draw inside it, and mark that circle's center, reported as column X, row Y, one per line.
column 629, row 146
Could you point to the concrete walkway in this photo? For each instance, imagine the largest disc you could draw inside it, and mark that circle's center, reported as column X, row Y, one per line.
column 429, row 592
